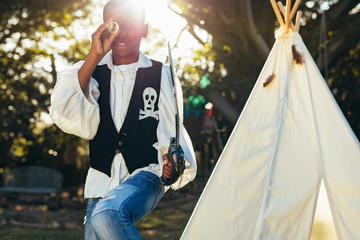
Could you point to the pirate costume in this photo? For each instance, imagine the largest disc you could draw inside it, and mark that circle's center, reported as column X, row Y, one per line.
column 127, row 114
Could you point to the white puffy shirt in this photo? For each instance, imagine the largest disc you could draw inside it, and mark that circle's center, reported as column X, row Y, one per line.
column 77, row 113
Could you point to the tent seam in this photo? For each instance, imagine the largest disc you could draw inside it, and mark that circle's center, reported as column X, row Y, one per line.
column 322, row 166
column 267, row 185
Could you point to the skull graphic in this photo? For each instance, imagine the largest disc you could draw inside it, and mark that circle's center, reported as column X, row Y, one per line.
column 149, row 97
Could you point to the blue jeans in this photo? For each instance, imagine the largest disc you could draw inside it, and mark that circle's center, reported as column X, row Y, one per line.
column 113, row 216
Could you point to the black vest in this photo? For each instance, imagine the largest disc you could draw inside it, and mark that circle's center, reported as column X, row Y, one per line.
column 138, row 132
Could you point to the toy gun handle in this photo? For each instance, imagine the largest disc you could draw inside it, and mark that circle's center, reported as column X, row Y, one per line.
column 176, row 155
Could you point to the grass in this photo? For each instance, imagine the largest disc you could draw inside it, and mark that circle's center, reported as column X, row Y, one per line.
column 11, row 232
column 166, row 221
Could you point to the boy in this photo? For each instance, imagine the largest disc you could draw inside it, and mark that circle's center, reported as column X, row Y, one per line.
column 122, row 102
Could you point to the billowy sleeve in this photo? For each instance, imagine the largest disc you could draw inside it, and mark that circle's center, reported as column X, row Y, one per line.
column 72, row 110
column 166, row 128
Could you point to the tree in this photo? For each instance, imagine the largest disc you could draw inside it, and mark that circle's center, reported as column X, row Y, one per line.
column 241, row 36
column 36, row 36
column 32, row 33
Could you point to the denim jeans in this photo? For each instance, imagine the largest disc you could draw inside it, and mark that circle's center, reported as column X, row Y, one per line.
column 113, row 216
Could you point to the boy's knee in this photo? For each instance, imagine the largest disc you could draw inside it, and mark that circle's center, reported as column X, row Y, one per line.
column 106, row 218
column 101, row 220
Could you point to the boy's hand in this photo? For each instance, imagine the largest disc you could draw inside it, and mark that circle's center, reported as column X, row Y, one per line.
column 100, row 42
column 167, row 166
column 100, row 45
column 174, row 164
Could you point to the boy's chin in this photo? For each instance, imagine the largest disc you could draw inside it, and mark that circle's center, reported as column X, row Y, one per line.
column 125, row 56
column 120, row 50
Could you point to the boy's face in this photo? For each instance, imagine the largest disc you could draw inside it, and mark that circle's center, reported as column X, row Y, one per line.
column 125, row 48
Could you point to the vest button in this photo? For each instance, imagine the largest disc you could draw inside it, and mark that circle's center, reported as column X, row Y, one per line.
column 117, row 151
column 120, row 143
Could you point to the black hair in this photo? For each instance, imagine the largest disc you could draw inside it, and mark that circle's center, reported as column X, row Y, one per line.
column 130, row 5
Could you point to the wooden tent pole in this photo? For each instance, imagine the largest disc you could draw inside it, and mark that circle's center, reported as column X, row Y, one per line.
column 294, row 9
column 277, row 13
column 297, row 22
column 287, row 16
column 282, row 10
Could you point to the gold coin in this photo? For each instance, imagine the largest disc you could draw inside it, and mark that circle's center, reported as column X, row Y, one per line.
column 113, row 27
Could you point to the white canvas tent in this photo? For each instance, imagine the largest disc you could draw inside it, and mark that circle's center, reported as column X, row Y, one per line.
column 290, row 136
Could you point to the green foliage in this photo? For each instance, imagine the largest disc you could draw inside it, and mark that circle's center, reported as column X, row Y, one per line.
column 204, row 81
column 33, row 34
column 242, row 33
column 196, row 102
column 345, row 85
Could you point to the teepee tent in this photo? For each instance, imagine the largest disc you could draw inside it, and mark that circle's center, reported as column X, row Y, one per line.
column 290, row 136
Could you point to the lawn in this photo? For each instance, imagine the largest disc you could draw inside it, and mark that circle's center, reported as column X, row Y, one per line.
column 19, row 221
column 167, row 221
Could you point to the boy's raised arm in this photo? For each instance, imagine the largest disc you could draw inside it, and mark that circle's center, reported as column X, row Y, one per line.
column 100, row 45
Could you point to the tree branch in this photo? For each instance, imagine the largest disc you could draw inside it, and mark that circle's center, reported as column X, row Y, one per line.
column 223, row 17
column 254, row 33
column 338, row 9
column 182, row 30
column 192, row 32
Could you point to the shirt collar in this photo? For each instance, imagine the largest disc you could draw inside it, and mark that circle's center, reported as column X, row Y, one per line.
column 143, row 62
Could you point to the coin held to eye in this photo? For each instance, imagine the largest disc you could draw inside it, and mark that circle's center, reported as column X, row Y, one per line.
column 113, row 27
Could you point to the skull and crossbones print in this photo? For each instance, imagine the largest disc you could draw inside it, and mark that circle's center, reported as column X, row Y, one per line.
column 149, row 97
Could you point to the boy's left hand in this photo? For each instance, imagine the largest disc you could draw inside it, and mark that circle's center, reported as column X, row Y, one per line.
column 167, row 166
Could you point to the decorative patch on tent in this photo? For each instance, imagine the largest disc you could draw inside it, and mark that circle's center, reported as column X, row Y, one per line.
column 269, row 79
column 297, row 56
